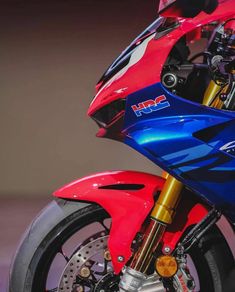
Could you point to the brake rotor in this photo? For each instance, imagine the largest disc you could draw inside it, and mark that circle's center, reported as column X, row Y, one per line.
column 79, row 267
column 84, row 272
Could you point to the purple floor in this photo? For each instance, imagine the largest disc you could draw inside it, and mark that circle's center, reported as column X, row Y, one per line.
column 16, row 213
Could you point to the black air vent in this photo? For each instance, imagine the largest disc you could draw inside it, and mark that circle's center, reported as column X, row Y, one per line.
column 133, row 187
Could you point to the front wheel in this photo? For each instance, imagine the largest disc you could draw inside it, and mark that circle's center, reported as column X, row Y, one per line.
column 65, row 249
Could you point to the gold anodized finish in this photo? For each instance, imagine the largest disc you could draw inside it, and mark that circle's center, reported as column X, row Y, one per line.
column 165, row 174
column 79, row 289
column 166, row 266
column 107, row 255
column 152, row 238
column 85, row 272
column 164, row 208
column 211, row 92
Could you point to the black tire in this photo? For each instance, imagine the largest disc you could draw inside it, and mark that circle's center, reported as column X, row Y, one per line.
column 53, row 226
column 213, row 261
column 61, row 219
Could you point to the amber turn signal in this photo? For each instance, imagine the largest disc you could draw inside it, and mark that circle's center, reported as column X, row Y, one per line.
column 166, row 266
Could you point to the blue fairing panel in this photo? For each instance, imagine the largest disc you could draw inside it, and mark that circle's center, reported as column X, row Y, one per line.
column 194, row 143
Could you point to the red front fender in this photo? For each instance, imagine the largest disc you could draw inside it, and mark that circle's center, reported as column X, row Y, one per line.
column 128, row 197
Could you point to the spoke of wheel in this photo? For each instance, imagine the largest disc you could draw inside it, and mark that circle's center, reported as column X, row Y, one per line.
column 105, row 227
column 64, row 255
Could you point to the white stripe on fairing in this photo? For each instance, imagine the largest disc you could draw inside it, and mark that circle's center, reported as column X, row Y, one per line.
column 135, row 57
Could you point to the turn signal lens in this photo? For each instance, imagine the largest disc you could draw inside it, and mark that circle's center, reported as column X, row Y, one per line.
column 166, row 266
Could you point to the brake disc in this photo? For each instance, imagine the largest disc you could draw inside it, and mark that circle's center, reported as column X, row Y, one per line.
column 88, row 267
column 79, row 265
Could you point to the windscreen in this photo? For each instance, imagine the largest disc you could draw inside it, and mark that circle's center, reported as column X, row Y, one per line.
column 160, row 26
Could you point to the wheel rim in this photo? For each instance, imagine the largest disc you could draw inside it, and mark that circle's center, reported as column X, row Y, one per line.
column 48, row 282
column 63, row 243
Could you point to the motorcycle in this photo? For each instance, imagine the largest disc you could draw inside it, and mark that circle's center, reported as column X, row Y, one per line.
column 133, row 231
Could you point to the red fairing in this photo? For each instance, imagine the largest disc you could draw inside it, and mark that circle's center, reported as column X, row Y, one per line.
column 147, row 61
column 191, row 215
column 128, row 207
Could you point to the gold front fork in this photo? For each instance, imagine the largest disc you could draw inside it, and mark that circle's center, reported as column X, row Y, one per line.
column 161, row 215
column 165, row 206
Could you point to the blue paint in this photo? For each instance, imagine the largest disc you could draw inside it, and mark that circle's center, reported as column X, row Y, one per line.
column 174, row 138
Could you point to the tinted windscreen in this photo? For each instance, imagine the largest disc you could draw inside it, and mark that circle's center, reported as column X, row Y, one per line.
column 124, row 58
column 160, row 27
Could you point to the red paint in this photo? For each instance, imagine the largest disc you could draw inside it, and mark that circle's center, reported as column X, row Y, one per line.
column 147, row 70
column 140, row 106
column 149, row 102
column 160, row 99
column 189, row 214
column 127, row 208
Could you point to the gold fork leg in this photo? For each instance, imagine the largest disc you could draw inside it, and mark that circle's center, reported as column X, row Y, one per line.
column 162, row 214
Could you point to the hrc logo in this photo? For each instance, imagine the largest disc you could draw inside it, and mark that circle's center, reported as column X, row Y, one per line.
column 150, row 105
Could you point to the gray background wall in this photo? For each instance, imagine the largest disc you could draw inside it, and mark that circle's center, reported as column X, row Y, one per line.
column 51, row 55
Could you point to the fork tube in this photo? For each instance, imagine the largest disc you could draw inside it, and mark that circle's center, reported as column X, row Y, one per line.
column 167, row 202
column 161, row 215
column 211, row 92
column 149, row 244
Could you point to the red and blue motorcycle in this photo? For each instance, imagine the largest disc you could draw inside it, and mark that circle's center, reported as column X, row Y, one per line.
column 133, row 231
